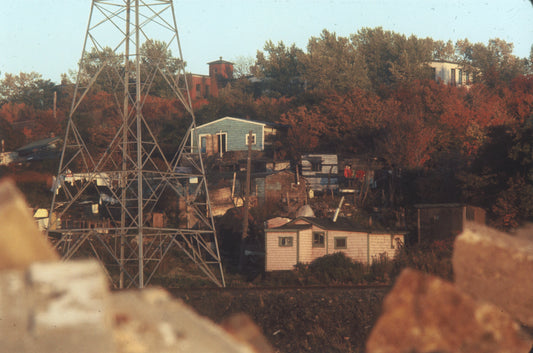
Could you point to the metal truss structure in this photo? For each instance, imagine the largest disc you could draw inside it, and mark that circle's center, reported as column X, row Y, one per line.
column 125, row 201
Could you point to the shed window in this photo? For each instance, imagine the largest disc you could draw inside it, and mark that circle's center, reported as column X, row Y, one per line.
column 318, row 239
column 340, row 243
column 285, row 241
column 316, row 166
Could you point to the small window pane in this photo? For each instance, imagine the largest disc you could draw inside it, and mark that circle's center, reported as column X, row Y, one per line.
column 318, row 239
column 285, row 241
column 340, row 243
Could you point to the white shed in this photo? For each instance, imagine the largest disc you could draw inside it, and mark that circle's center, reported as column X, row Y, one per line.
column 305, row 239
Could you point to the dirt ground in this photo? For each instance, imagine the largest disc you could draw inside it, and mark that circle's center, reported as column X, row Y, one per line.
column 297, row 320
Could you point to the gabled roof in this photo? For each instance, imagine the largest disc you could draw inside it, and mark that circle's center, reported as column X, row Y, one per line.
column 263, row 123
column 343, row 224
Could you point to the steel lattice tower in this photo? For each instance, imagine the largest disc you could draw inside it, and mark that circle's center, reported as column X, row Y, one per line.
column 131, row 178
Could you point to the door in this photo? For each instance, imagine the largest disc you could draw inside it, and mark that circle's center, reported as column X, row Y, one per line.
column 203, row 144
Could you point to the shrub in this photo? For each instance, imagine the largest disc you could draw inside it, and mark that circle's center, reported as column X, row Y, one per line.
column 434, row 258
column 336, row 268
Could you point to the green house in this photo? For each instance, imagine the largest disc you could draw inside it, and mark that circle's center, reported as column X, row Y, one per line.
column 231, row 134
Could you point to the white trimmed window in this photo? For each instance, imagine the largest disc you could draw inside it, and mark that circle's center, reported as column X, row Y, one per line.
column 285, row 241
column 254, row 139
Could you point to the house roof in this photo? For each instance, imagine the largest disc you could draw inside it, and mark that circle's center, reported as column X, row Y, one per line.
column 38, row 144
column 220, row 61
column 263, row 123
column 343, row 224
column 439, row 205
column 289, row 227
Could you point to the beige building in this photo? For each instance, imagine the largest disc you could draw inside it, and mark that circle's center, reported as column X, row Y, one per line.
column 451, row 73
column 306, row 238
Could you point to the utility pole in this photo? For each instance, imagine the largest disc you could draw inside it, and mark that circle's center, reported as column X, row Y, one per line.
column 55, row 104
column 242, row 256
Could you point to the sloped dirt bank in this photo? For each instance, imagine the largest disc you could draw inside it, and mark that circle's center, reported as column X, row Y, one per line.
column 298, row 320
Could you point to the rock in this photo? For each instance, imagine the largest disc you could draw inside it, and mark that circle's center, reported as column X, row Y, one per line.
column 496, row 267
column 423, row 313
column 149, row 321
column 21, row 242
column 242, row 327
column 55, row 307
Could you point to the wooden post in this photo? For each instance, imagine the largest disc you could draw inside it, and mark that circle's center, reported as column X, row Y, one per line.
column 418, row 225
column 55, row 104
column 246, row 201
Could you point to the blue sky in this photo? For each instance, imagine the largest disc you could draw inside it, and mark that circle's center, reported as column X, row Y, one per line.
column 47, row 36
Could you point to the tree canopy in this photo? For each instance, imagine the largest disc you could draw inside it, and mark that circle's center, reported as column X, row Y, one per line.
column 368, row 95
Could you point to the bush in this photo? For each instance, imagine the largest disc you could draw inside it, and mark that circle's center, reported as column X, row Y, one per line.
column 336, row 268
column 434, row 258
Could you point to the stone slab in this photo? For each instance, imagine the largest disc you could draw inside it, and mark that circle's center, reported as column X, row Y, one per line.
column 149, row 320
column 496, row 267
column 21, row 242
column 423, row 313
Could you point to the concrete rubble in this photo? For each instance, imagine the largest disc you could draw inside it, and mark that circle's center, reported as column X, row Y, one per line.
column 489, row 308
column 47, row 306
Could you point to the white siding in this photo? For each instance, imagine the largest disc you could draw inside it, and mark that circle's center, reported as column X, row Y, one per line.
column 360, row 246
column 280, row 258
column 443, row 73
column 305, row 246
column 383, row 244
column 355, row 244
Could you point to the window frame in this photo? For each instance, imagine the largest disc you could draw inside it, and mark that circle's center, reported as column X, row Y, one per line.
column 254, row 137
column 337, row 246
column 285, row 241
column 321, row 241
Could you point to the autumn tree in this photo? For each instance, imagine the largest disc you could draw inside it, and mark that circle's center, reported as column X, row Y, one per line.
column 10, row 138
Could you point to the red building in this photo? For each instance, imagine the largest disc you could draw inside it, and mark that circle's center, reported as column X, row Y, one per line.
column 202, row 86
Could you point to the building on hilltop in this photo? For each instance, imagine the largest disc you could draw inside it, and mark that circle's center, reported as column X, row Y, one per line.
column 451, row 73
column 204, row 86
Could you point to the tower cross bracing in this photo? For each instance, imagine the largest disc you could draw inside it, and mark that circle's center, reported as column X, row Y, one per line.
column 145, row 202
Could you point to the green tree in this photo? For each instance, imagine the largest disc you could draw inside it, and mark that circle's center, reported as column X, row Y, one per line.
column 332, row 63
column 492, row 63
column 280, row 68
column 28, row 88
column 159, row 67
column 104, row 66
column 392, row 58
